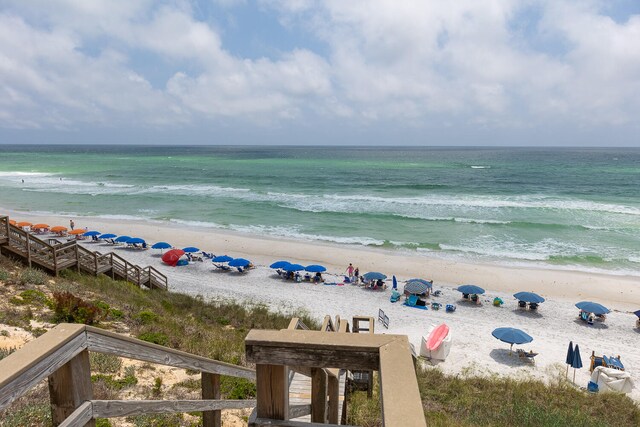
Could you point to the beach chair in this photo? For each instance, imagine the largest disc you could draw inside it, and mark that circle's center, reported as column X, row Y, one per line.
column 527, row 355
column 586, row 317
column 450, row 308
column 223, row 267
column 437, row 293
column 592, row 387
column 411, row 300
column 522, row 304
column 208, row 255
column 533, row 306
column 436, row 305
column 475, row 298
column 395, row 296
column 383, row 318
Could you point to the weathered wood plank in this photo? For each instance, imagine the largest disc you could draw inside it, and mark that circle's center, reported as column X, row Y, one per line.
column 312, row 357
column 279, row 423
column 296, row 411
column 272, row 387
column 401, row 403
column 211, row 390
column 318, row 339
column 125, row 408
column 318, row 395
column 80, row 417
column 38, row 359
column 333, row 408
column 118, row 345
column 70, row 387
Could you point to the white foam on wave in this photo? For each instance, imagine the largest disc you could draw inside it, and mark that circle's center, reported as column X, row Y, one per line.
column 294, row 232
column 21, row 175
column 480, row 167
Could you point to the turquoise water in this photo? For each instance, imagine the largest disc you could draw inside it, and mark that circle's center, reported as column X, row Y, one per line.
column 572, row 208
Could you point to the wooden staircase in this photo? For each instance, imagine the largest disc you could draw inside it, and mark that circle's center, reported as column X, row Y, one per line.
column 54, row 256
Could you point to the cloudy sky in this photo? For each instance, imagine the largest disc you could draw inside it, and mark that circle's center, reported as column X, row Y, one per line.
column 396, row 72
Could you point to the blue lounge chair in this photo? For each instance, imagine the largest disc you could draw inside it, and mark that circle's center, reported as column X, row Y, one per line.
column 411, row 300
column 450, row 308
column 436, row 306
column 223, row 267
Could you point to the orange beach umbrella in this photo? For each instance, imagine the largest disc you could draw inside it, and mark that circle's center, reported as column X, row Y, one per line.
column 58, row 228
column 24, row 224
column 39, row 226
column 12, row 221
column 77, row 231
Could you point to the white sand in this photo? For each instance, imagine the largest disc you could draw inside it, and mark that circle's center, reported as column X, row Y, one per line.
column 473, row 348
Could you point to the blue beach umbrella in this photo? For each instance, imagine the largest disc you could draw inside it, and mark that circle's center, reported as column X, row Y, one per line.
column 471, row 289
column 108, row 236
column 529, row 297
column 293, row 267
column 511, row 336
column 637, row 313
column 314, row 268
column 191, row 249
column 592, row 307
column 92, row 233
column 576, row 362
column 374, row 275
column 395, row 282
column 135, row 241
column 239, row 262
column 427, row 283
column 280, row 264
column 123, row 239
column 222, row 258
column 161, row 245
column 569, row 359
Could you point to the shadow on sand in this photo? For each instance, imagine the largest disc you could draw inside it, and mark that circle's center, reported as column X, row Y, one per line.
column 596, row 325
column 532, row 314
column 506, row 357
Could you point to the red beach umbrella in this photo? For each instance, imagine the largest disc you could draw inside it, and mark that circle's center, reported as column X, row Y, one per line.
column 172, row 257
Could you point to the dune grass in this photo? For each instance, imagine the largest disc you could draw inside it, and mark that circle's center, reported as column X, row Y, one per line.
column 217, row 329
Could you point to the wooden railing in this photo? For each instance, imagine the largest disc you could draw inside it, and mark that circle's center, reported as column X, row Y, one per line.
column 58, row 256
column 275, row 352
column 62, row 356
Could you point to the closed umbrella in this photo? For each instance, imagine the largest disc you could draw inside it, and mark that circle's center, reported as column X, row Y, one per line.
column 395, row 282
column 280, row 264
column 172, row 257
column 569, row 359
column 314, row 268
column 592, row 307
column 374, row 275
column 576, row 362
column 239, row 262
column 511, row 336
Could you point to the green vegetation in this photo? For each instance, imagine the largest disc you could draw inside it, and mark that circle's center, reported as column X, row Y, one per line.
column 33, row 276
column 4, row 275
column 72, row 309
column 217, row 330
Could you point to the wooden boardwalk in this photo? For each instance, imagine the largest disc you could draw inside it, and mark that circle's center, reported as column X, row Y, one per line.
column 300, row 392
column 54, row 256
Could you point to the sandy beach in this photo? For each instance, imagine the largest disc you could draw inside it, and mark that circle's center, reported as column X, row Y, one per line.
column 474, row 349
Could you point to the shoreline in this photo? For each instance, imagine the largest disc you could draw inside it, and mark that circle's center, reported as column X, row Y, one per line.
column 620, row 292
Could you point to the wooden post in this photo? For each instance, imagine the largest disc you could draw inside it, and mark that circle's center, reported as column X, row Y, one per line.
column 69, row 387
column 334, row 399
column 211, row 390
column 77, row 258
column 318, row 395
column 28, row 249
column 272, row 383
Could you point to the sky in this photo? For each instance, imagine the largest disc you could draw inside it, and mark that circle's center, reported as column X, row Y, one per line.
column 335, row 72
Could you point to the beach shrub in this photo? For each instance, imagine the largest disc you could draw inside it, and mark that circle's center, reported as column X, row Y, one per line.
column 70, row 308
column 129, row 379
column 237, row 388
column 32, row 296
column 4, row 352
column 116, row 314
column 4, row 275
column 146, row 317
column 154, row 337
column 103, row 422
column 33, row 276
column 105, row 363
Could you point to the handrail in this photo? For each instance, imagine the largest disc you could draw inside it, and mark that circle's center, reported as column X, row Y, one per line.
column 388, row 354
column 61, row 346
column 63, row 255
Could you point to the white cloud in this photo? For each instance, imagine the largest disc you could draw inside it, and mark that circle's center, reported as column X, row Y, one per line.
column 70, row 62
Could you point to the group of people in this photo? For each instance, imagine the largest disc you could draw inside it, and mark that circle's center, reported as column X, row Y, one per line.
column 353, row 273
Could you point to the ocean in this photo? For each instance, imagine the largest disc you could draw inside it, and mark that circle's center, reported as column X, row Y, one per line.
column 570, row 208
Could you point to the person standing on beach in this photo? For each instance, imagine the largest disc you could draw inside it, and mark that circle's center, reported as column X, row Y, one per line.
column 71, row 224
column 350, row 272
column 356, row 274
